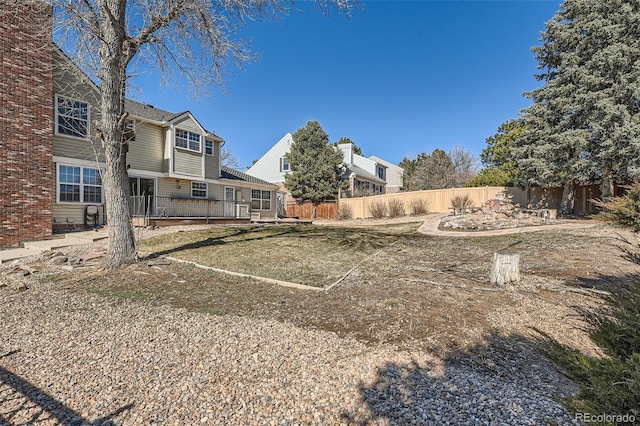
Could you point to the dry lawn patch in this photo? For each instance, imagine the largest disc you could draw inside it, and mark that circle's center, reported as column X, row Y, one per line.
column 417, row 292
column 304, row 254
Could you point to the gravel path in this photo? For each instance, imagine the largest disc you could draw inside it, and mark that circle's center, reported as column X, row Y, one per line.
column 75, row 359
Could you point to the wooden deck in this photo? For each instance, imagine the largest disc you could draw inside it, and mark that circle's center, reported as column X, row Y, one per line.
column 169, row 221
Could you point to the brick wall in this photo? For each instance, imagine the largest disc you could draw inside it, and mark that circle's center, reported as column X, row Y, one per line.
column 27, row 176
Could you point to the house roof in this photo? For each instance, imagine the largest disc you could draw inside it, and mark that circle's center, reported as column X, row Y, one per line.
column 362, row 173
column 228, row 173
column 134, row 108
column 150, row 112
column 385, row 163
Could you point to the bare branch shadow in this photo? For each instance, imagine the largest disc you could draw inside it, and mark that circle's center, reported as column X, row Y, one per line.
column 23, row 399
column 504, row 381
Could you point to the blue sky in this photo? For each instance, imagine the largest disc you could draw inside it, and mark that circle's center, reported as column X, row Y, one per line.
column 398, row 77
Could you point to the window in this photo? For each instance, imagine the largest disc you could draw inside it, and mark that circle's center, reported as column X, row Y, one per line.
column 92, row 186
column 187, row 140
column 381, row 173
column 284, row 164
column 72, row 117
column 129, row 131
column 198, row 190
column 208, row 147
column 79, row 185
column 260, row 200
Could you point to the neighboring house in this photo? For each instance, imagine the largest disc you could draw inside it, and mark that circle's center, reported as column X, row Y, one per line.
column 273, row 165
column 365, row 176
column 394, row 175
column 51, row 177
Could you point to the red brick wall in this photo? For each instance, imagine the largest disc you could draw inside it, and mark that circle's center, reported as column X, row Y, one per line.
column 27, row 176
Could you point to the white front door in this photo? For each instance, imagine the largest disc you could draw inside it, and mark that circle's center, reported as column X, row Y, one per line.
column 229, row 201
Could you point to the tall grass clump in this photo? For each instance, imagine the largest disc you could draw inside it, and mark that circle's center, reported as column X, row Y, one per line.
column 396, row 207
column 378, row 209
column 345, row 212
column 461, row 202
column 419, row 206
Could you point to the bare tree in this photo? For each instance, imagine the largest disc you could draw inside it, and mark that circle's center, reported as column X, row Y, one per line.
column 465, row 165
column 441, row 170
column 111, row 40
column 227, row 159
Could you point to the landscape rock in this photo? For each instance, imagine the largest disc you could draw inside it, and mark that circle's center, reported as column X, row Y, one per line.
column 141, row 364
column 59, row 260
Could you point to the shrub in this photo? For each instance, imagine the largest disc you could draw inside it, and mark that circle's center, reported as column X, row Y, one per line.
column 623, row 211
column 419, row 206
column 461, row 202
column 378, row 209
column 345, row 211
column 396, row 207
column 611, row 384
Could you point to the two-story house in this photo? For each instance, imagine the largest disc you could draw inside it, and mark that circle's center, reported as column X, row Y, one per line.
column 173, row 162
column 366, row 176
column 393, row 175
column 52, row 160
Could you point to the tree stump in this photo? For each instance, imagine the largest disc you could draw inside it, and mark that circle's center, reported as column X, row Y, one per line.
column 506, row 269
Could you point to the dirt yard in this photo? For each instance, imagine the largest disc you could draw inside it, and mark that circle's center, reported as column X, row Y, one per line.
column 415, row 291
column 410, row 332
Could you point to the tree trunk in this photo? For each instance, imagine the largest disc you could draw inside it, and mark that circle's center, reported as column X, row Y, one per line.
column 506, row 269
column 121, row 245
column 607, row 182
column 568, row 198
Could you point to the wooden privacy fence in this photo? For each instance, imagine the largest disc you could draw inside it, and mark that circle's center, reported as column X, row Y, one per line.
column 325, row 210
column 439, row 200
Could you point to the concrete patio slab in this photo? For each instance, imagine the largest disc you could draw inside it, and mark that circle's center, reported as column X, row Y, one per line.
column 32, row 248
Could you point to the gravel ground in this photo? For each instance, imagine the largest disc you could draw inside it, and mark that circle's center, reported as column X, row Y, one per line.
column 73, row 359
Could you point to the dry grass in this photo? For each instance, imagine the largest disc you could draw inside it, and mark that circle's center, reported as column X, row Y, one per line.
column 430, row 293
column 304, row 254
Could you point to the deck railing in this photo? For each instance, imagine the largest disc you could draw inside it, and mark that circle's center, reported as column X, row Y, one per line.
column 170, row 207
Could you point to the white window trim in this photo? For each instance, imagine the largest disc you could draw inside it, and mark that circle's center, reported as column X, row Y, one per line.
column 64, row 135
column 175, row 136
column 206, row 190
column 81, row 202
column 282, row 160
column 262, row 199
column 130, row 124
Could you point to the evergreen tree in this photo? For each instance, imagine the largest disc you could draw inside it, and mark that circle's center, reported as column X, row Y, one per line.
column 356, row 149
column 316, row 166
column 409, row 166
column 584, row 123
column 499, row 170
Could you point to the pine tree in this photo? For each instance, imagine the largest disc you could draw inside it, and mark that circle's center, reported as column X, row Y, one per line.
column 316, row 166
column 499, row 170
column 584, row 124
